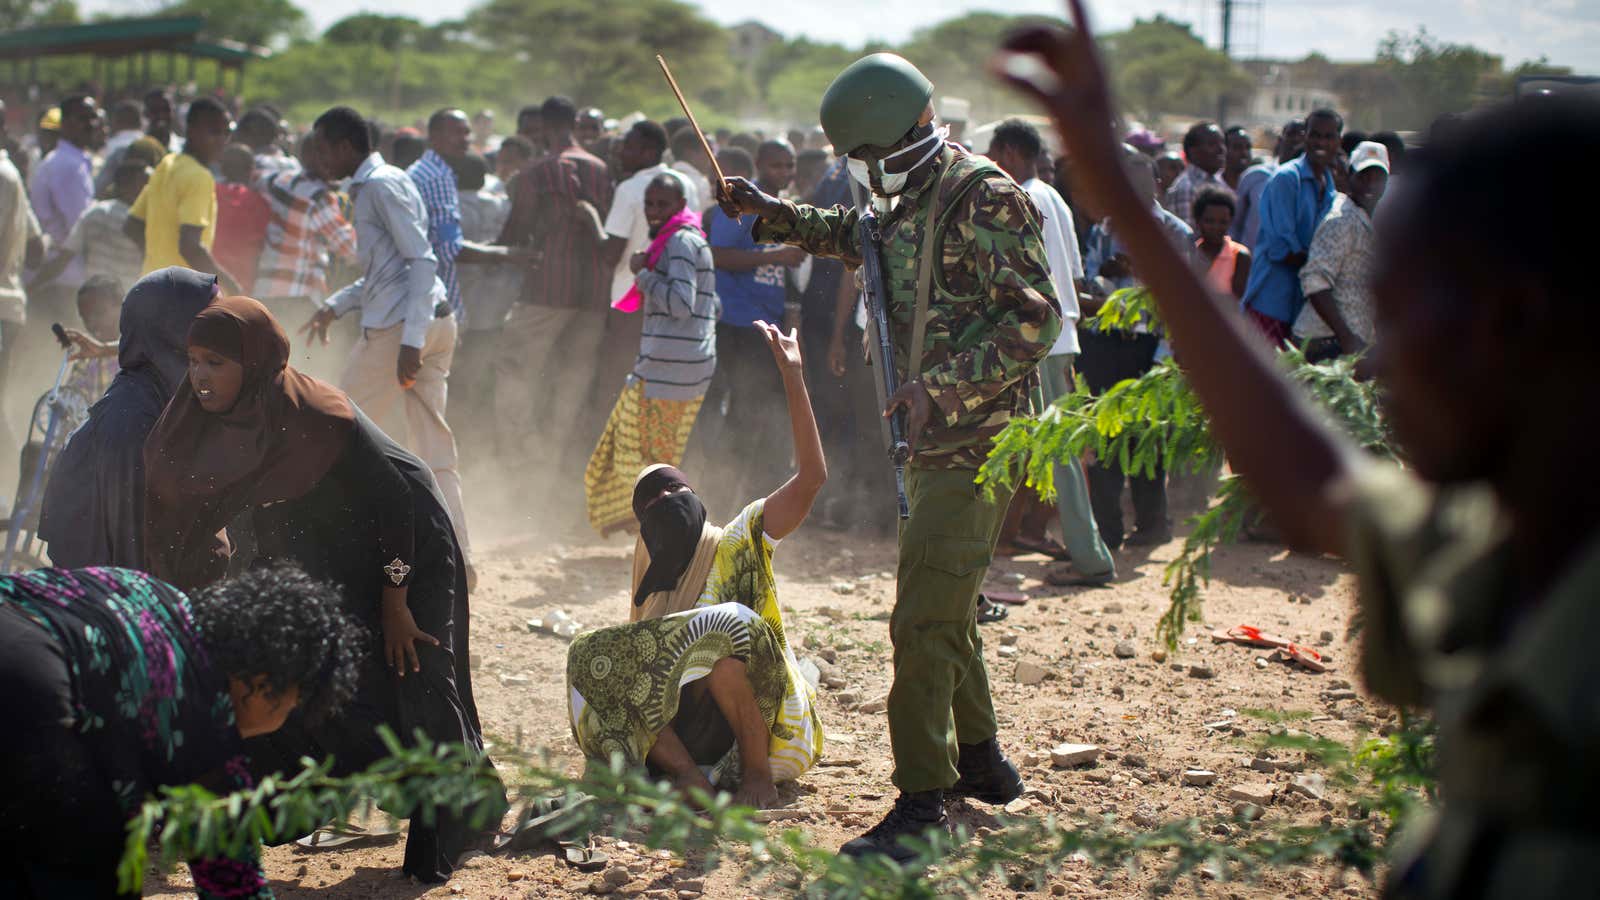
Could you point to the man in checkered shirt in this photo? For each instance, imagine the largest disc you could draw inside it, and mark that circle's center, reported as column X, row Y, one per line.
column 307, row 233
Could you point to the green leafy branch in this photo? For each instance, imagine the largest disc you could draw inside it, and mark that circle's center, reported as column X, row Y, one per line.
column 1156, row 422
column 190, row 822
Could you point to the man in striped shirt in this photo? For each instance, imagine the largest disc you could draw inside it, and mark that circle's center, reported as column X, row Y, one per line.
column 449, row 138
column 677, row 285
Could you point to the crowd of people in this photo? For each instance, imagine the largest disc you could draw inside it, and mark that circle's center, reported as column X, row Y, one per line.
column 233, row 465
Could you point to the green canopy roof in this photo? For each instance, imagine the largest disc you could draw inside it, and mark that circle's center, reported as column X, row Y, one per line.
column 178, row 34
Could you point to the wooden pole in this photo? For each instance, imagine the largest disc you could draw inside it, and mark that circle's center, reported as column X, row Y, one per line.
column 684, row 104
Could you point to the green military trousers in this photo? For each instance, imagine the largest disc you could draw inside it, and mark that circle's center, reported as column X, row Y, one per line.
column 940, row 694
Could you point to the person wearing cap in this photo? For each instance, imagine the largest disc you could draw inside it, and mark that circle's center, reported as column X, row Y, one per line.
column 1337, row 277
column 972, row 312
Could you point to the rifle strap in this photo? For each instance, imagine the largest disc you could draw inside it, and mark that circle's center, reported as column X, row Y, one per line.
column 930, row 249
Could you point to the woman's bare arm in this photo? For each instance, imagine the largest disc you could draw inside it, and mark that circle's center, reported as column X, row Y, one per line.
column 789, row 505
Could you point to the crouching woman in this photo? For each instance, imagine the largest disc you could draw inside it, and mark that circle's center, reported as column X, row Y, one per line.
column 117, row 685
column 701, row 685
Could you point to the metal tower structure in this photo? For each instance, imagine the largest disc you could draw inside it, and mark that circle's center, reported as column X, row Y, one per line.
column 1238, row 34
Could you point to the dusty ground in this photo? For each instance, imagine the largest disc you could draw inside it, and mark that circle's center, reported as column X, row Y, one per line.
column 1149, row 716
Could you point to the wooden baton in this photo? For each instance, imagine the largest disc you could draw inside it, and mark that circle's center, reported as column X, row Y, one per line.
column 684, row 104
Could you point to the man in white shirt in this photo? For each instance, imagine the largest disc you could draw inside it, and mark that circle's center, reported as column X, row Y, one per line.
column 1016, row 147
column 689, row 160
column 21, row 242
column 627, row 232
column 127, row 126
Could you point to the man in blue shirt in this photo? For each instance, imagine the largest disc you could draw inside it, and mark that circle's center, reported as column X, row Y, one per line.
column 1295, row 199
column 752, row 284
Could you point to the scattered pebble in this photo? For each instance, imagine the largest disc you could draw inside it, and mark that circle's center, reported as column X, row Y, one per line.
column 1312, row 785
column 1201, row 670
column 1199, row 777
column 1247, row 812
column 1067, row 756
column 1125, row 650
column 1030, row 672
column 1259, row 793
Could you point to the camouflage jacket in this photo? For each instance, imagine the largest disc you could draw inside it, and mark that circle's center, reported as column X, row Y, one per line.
column 994, row 312
column 1509, row 674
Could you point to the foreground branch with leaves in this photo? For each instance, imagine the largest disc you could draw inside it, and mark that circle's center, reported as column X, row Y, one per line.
column 1156, row 422
column 1387, row 776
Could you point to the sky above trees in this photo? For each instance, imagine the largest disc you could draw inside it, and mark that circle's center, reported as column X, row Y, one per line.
column 1566, row 31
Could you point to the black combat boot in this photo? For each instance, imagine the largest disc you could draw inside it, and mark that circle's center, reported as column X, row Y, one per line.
column 913, row 815
column 986, row 775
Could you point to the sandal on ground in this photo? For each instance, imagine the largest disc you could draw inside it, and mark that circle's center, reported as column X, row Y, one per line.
column 1044, row 545
column 989, row 611
column 1250, row 636
column 1065, row 575
column 1306, row 657
column 543, row 829
column 329, row 837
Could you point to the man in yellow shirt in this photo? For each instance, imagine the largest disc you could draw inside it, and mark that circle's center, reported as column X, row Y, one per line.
column 175, row 217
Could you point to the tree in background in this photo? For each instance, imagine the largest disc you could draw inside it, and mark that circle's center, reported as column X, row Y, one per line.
column 603, row 51
column 1161, row 66
column 948, row 54
column 28, row 13
column 375, row 29
column 265, row 23
column 1432, row 77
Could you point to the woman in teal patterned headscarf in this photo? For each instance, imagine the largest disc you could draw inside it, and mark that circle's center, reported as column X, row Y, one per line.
column 701, row 685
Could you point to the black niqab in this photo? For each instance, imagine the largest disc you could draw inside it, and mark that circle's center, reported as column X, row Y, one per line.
column 670, row 528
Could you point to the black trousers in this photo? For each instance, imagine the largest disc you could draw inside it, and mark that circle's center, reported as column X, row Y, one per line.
column 1108, row 358
column 743, row 428
column 61, row 827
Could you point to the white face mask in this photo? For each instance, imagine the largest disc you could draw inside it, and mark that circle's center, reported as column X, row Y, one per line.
column 894, row 183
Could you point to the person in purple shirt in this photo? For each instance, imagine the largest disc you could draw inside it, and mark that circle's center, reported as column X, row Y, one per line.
column 63, row 186
column 1295, row 199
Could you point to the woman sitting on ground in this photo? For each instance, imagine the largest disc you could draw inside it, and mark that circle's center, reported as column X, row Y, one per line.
column 701, row 685
column 93, row 511
column 334, row 495
column 118, row 685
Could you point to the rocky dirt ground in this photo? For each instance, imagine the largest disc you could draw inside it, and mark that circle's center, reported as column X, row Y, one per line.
column 1105, row 682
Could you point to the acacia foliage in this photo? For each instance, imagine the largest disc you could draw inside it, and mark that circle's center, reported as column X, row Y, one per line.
column 1156, row 419
column 1021, row 851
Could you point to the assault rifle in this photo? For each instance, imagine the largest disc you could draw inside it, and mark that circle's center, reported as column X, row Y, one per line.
column 888, row 380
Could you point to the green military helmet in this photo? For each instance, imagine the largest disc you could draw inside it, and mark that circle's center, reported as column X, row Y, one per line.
column 875, row 101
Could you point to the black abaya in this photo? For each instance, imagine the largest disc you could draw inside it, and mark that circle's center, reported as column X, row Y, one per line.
column 93, row 509
column 379, row 503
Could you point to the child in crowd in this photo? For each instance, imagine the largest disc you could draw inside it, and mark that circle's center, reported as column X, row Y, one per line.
column 242, row 217
column 1227, row 261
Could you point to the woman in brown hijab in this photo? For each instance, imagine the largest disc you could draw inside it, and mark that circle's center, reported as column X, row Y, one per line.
column 330, row 492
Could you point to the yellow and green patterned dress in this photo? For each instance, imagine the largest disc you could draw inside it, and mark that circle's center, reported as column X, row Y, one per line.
column 623, row 682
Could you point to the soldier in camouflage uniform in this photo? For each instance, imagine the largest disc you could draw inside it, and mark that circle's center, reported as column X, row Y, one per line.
column 991, row 315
